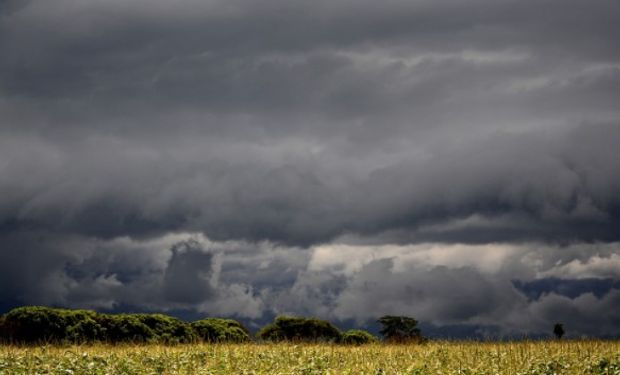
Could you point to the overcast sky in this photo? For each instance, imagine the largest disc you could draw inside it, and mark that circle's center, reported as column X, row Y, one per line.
column 455, row 161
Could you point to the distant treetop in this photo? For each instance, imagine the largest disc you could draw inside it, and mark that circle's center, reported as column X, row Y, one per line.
column 399, row 329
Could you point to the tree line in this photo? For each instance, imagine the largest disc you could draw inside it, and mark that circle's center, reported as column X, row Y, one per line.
column 38, row 325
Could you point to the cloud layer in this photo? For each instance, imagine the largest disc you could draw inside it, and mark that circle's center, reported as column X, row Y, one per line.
column 486, row 290
column 239, row 158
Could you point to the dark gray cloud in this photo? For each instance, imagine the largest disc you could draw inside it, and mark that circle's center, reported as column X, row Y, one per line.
column 274, row 127
column 187, row 276
column 550, row 187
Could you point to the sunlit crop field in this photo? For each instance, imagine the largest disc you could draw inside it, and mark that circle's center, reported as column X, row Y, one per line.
column 567, row 357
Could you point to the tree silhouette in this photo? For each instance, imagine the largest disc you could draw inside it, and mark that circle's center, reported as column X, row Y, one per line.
column 558, row 330
column 289, row 328
column 399, row 328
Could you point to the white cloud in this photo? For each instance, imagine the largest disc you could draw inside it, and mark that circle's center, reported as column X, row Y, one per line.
column 596, row 266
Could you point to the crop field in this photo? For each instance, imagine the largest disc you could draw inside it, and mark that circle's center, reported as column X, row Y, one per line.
column 441, row 357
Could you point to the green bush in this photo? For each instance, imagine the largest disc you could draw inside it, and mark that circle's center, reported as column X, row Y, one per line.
column 126, row 328
column 36, row 324
column 220, row 330
column 167, row 329
column 357, row 337
column 286, row 328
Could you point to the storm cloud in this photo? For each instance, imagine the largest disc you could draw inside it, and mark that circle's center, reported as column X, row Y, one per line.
column 220, row 157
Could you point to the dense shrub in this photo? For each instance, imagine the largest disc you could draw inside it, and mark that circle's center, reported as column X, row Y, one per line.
column 154, row 328
column 299, row 329
column 167, row 329
column 43, row 324
column 220, row 330
column 37, row 324
column 126, row 328
column 357, row 337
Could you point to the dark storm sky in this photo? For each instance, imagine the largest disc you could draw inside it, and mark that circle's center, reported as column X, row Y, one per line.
column 456, row 161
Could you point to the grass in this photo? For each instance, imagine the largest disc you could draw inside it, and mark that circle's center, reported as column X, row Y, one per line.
column 441, row 357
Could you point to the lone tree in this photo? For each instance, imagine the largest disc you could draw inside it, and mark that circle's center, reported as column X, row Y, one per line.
column 558, row 330
column 399, row 329
column 289, row 328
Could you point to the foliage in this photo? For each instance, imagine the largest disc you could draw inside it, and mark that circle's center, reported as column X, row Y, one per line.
column 287, row 328
column 36, row 324
column 399, row 329
column 168, row 329
column 145, row 328
column 126, row 328
column 558, row 330
column 220, row 330
column 357, row 337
